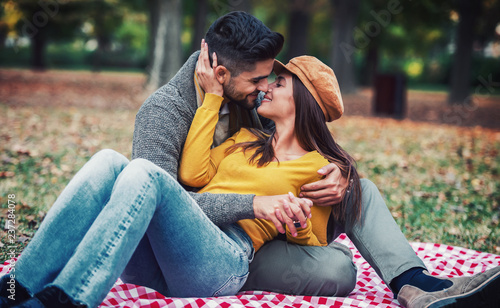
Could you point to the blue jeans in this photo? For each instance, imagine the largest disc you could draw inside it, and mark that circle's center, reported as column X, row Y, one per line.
column 116, row 217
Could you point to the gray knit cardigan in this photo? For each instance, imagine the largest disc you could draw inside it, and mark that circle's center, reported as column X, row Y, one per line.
column 161, row 128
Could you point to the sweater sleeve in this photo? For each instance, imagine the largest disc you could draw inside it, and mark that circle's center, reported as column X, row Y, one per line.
column 305, row 236
column 161, row 127
column 199, row 162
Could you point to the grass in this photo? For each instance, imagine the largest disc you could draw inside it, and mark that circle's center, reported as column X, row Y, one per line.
column 441, row 183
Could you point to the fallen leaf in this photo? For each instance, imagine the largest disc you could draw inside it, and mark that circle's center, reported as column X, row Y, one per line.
column 7, row 174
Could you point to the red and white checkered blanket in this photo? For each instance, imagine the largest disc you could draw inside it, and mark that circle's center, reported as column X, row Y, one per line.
column 370, row 291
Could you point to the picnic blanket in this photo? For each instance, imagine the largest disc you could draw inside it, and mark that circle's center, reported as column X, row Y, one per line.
column 370, row 291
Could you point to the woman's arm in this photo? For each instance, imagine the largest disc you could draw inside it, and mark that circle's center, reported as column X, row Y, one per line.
column 305, row 236
column 199, row 163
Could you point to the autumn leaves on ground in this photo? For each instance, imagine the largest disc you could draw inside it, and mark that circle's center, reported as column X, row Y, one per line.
column 441, row 182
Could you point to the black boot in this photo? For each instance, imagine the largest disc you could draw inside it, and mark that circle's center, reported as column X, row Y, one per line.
column 50, row 297
column 11, row 292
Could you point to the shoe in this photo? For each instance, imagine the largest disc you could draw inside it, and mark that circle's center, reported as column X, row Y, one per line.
column 16, row 297
column 6, row 303
column 31, row 303
column 480, row 290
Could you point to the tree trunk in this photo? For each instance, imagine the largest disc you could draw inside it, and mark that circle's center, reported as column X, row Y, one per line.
column 298, row 28
column 166, row 52
column 38, row 44
column 103, row 46
column 371, row 64
column 344, row 22
column 4, row 30
column 200, row 23
column 460, row 73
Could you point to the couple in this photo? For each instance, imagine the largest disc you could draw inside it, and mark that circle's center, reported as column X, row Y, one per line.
column 132, row 219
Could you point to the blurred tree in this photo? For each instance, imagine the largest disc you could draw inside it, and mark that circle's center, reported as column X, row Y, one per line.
column 44, row 21
column 344, row 22
column 476, row 28
column 468, row 12
column 165, row 41
column 106, row 18
column 200, row 23
column 4, row 26
column 299, row 19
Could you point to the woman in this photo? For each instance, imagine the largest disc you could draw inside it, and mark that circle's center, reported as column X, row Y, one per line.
column 299, row 145
column 115, row 212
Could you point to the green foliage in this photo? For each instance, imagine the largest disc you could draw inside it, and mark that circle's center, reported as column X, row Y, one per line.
column 133, row 34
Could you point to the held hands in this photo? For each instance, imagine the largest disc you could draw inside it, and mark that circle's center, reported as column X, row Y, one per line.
column 283, row 209
column 206, row 74
column 327, row 191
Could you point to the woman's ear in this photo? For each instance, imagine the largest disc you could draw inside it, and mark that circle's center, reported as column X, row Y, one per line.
column 222, row 74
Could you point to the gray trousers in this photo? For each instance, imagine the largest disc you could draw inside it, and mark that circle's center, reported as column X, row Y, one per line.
column 329, row 271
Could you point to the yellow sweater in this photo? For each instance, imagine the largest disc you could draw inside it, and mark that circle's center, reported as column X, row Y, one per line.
column 217, row 172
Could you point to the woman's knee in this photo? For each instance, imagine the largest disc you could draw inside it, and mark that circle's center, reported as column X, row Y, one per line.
column 308, row 270
column 338, row 273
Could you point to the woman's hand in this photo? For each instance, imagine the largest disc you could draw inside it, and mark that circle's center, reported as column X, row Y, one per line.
column 283, row 209
column 327, row 191
column 206, row 74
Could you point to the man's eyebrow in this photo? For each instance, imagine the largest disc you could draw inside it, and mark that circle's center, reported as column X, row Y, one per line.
column 259, row 78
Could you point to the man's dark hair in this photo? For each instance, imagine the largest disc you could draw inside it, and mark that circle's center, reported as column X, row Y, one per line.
column 240, row 40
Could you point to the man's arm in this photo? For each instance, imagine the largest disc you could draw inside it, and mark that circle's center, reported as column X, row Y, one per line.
column 327, row 191
column 161, row 127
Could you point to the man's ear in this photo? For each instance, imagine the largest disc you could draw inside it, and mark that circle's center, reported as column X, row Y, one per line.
column 222, row 74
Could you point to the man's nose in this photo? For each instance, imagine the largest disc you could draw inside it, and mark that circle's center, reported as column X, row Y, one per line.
column 263, row 85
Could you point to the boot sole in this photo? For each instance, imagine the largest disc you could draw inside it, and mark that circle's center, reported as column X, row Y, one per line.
column 486, row 295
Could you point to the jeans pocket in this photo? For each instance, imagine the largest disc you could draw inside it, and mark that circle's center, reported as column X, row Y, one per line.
column 232, row 285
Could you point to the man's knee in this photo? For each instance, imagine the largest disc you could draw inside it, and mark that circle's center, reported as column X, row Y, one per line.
column 371, row 197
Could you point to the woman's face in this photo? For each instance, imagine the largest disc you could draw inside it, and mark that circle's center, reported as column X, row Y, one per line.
column 278, row 102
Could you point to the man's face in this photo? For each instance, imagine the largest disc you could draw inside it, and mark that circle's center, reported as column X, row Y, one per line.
column 244, row 88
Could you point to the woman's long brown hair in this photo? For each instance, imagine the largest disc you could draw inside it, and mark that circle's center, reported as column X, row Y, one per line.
column 312, row 134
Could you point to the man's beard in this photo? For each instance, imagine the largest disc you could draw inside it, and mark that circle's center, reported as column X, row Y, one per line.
column 244, row 102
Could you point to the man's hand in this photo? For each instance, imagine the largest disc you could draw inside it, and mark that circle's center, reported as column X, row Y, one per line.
column 327, row 191
column 273, row 207
column 206, row 74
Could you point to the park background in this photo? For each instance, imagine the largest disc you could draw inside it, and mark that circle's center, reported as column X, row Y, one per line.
column 420, row 82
